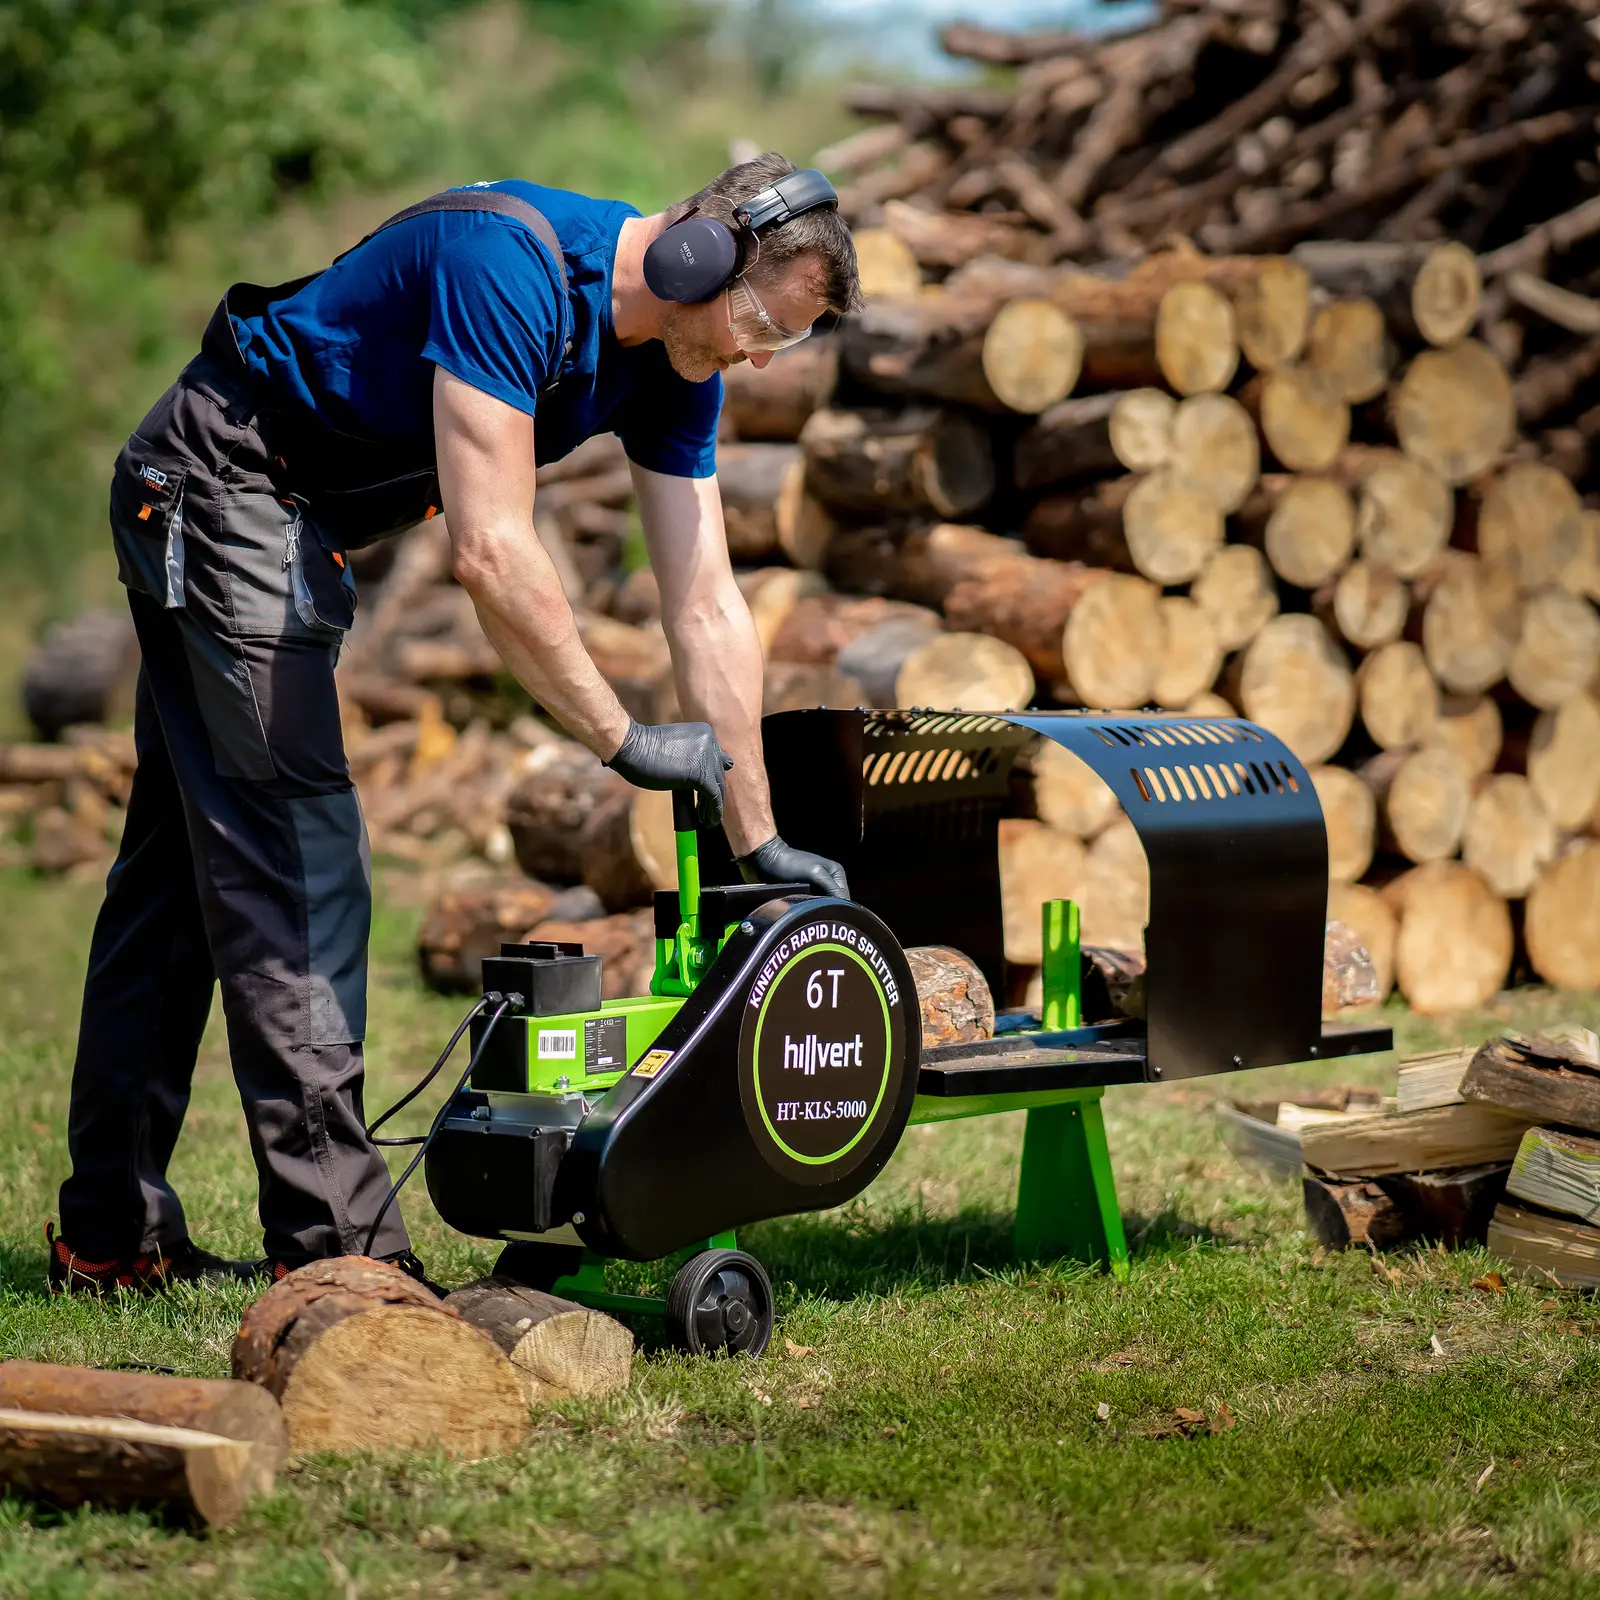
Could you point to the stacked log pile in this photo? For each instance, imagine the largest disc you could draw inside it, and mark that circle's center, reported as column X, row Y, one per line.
column 1234, row 364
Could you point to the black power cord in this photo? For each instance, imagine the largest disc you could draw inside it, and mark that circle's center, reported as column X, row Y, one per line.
column 502, row 1004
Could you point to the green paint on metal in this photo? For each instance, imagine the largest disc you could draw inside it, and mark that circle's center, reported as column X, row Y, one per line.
column 644, row 1017
column 587, row 1286
column 1067, row 1194
column 1062, row 971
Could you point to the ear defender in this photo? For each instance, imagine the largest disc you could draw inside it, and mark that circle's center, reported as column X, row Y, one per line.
column 697, row 258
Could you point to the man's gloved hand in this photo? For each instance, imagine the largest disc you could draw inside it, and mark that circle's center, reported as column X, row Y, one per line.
column 676, row 755
column 777, row 862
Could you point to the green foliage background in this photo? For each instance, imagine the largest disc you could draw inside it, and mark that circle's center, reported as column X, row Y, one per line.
column 152, row 151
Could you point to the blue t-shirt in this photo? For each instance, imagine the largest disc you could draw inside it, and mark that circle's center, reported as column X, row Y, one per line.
column 477, row 294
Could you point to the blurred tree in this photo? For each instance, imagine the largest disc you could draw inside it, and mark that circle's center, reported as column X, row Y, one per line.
column 180, row 107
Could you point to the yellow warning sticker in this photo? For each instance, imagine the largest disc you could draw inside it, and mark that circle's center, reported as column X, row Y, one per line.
column 652, row 1063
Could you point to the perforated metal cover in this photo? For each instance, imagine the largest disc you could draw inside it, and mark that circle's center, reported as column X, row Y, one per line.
column 911, row 802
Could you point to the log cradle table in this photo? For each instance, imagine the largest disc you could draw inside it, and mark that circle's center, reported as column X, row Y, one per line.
column 778, row 1059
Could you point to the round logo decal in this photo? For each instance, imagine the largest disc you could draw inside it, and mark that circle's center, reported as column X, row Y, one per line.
column 820, row 1050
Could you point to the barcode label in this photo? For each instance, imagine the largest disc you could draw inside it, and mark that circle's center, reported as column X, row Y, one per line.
column 558, row 1044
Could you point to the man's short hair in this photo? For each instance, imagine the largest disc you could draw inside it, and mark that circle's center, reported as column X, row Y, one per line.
column 822, row 234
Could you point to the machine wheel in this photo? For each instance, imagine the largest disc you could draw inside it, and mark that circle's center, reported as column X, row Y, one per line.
column 537, row 1266
column 720, row 1300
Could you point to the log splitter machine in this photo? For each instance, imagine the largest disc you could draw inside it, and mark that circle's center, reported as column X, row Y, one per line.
column 778, row 1058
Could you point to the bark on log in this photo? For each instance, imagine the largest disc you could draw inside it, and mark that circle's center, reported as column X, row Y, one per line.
column 1348, row 1212
column 1303, row 421
column 820, row 626
column 1404, row 513
column 626, row 845
column 1191, row 657
column 116, row 1462
column 1368, row 913
column 1305, row 524
column 1235, row 590
column 796, row 686
column 562, row 786
column 624, row 942
column 1563, row 923
column 1070, row 795
column 1114, row 644
column 1072, row 439
column 1422, row 797
column 1564, row 761
column 1214, row 451
column 1171, row 528
column 463, row 927
column 872, row 660
column 1469, row 624
column 1196, row 339
column 1453, row 411
column 913, row 461
column 1295, row 682
column 1530, row 524
column 362, row 1357
column 1025, row 601
column 1398, row 698
column 1350, row 814
column 1557, row 653
column 1427, row 291
column 773, row 402
column 751, row 479
column 953, row 993
column 1349, row 349
column 1508, row 836
column 1453, row 952
column 1090, row 527
column 1141, row 428
column 920, row 564
column 557, row 1350
column 1037, row 863
column 1535, row 1079
column 1367, row 605
column 965, row 672
column 1469, row 727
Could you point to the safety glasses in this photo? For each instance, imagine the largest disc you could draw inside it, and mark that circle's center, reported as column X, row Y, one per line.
column 754, row 330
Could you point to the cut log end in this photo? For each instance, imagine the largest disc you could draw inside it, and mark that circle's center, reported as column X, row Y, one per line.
column 1453, row 410
column 1303, row 421
column 1453, row 952
column 965, row 671
column 1114, row 644
column 1032, row 354
column 558, row 1350
column 957, row 1007
column 1197, row 344
column 1295, row 682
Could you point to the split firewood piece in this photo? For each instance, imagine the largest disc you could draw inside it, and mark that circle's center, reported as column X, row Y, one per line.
column 1116, row 890
column 1453, row 952
column 118, row 1462
column 773, row 402
column 362, row 1357
column 1365, row 910
column 1272, row 310
column 1551, row 1250
column 818, row 627
column 1453, row 411
column 1306, row 524
column 1072, row 439
column 1559, row 1171
column 1422, row 797
column 1509, row 836
column 887, row 265
column 563, row 783
column 1537, row 1079
column 1349, row 348
column 1399, row 699
column 1404, row 513
column 908, row 461
column 1440, row 1137
column 558, row 1350
column 921, row 564
column 1236, row 591
column 1557, row 653
column 1024, row 600
column 1469, row 726
column 872, row 660
column 1171, row 528
column 1469, row 624
column 1297, row 683
column 463, row 927
column 1069, row 794
column 965, row 672
column 1214, row 451
column 957, row 1007
column 751, row 478
column 1350, row 815
column 1037, row 863
column 1564, row 761
column 1114, row 643
column 1197, row 343
column 1368, row 604
column 1343, row 1213
column 1303, row 421
column 1192, row 657
column 1454, row 1208
column 1141, row 428
column 1530, row 524
column 1349, row 977
column 1563, row 922
column 1120, row 973
column 1426, row 291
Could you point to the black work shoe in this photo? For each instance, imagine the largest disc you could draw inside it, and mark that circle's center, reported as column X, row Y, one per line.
column 413, row 1268
column 150, row 1273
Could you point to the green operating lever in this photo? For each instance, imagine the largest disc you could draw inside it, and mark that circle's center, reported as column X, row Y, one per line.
column 683, row 959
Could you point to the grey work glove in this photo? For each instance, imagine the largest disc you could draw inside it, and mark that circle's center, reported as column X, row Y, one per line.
column 777, row 862
column 676, row 755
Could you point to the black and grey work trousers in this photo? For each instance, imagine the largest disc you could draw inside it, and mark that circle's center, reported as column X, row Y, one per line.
column 244, row 859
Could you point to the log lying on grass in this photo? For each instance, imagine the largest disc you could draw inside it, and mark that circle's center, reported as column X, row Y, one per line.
column 557, row 1349
column 362, row 1357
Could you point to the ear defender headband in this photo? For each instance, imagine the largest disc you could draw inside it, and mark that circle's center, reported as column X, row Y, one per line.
column 697, row 258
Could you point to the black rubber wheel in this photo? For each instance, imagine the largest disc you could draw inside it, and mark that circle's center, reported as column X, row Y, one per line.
column 720, row 1300
column 537, row 1266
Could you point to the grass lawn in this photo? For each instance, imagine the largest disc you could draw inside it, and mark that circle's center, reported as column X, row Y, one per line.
column 927, row 1423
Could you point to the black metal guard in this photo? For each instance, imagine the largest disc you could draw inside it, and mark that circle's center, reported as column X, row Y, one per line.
column 910, row 802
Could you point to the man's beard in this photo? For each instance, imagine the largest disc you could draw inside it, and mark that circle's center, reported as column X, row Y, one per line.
column 692, row 358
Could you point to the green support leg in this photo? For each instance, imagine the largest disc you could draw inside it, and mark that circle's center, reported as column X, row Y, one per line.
column 587, row 1286
column 1067, row 1195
